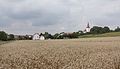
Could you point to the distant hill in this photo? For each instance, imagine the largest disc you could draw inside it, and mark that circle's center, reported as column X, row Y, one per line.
column 111, row 34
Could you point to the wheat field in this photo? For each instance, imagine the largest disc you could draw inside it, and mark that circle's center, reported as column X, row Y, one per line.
column 85, row 53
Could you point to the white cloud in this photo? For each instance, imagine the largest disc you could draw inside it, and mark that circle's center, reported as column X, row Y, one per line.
column 21, row 16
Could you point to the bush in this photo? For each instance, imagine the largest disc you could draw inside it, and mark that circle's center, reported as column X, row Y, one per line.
column 3, row 36
column 99, row 30
column 117, row 29
column 11, row 37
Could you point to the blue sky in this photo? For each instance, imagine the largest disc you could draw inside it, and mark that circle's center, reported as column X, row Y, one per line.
column 34, row 16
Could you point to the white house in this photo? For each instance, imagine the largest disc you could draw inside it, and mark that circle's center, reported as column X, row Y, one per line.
column 42, row 37
column 36, row 36
column 87, row 28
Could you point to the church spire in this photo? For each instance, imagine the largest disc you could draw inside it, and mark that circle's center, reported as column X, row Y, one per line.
column 88, row 26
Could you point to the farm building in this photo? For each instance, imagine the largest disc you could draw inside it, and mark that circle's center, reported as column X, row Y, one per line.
column 42, row 37
column 36, row 36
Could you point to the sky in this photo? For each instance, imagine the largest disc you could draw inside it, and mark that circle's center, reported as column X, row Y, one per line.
column 38, row 16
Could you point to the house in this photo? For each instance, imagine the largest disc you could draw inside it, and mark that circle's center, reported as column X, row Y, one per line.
column 36, row 36
column 42, row 37
column 87, row 28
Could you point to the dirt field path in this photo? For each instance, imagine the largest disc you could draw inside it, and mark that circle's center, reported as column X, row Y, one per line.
column 91, row 53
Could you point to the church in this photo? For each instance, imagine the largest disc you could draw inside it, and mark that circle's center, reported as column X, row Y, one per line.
column 87, row 30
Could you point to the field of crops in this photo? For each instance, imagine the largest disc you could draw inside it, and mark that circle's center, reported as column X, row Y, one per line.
column 85, row 53
column 3, row 42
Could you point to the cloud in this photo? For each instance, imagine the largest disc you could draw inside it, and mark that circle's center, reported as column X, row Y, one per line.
column 21, row 16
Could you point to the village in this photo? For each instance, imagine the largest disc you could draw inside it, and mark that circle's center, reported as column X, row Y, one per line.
column 41, row 36
column 69, row 35
column 63, row 35
column 38, row 36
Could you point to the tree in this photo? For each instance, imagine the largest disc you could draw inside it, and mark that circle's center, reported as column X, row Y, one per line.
column 96, row 30
column 79, row 33
column 117, row 29
column 71, row 35
column 46, row 35
column 74, row 35
column 50, row 36
column 41, row 34
column 3, row 36
column 28, row 37
column 56, row 36
column 99, row 30
column 106, row 29
column 11, row 37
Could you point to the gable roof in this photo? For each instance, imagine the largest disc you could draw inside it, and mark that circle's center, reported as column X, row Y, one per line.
column 36, row 33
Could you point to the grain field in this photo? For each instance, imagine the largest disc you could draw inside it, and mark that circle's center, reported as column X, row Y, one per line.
column 88, row 53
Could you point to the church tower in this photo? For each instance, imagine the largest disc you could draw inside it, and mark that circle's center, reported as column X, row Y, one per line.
column 87, row 28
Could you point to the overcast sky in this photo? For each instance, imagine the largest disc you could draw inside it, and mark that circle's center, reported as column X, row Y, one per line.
column 36, row 16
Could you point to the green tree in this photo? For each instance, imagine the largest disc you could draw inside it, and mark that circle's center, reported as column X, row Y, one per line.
column 11, row 37
column 96, row 30
column 46, row 35
column 106, row 29
column 50, row 36
column 74, row 35
column 99, row 30
column 117, row 29
column 28, row 37
column 56, row 36
column 3, row 36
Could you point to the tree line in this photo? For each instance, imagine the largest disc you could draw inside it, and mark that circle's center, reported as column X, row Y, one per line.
column 94, row 30
column 101, row 30
column 5, row 37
